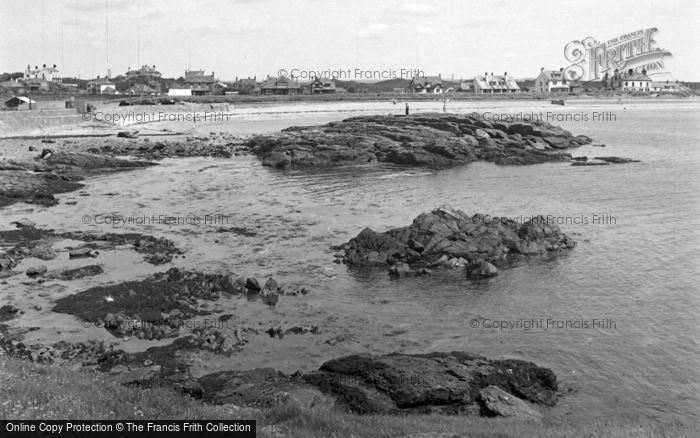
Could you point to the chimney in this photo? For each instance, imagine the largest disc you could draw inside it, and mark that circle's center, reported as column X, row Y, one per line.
column 561, row 70
column 505, row 75
column 486, row 74
column 44, row 66
column 542, row 70
column 54, row 66
column 439, row 75
column 154, row 66
column 630, row 71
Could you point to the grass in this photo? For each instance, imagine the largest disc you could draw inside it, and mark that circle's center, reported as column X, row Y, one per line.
column 30, row 391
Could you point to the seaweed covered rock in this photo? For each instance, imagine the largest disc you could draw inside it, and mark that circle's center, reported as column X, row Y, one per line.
column 449, row 237
column 447, row 383
column 430, row 139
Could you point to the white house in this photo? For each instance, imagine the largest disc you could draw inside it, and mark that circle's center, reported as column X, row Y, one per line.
column 490, row 83
column 51, row 74
column 636, row 82
column 551, row 81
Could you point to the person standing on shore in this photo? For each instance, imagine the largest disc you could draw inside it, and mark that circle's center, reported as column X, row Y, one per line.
column 407, row 110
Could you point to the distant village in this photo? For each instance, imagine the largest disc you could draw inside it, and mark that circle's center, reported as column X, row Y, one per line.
column 148, row 81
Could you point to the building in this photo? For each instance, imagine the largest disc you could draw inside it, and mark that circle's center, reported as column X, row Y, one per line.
column 466, row 86
column 322, row 86
column 283, row 86
column 635, row 81
column 200, row 83
column 663, row 87
column 551, row 81
column 101, row 86
column 244, row 85
column 141, row 90
column 492, row 84
column 15, row 102
column 426, row 84
column 49, row 74
column 144, row 72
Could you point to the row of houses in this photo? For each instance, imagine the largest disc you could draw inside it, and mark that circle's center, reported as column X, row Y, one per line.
column 147, row 80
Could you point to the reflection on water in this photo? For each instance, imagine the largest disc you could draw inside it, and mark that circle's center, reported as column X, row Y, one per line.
column 637, row 269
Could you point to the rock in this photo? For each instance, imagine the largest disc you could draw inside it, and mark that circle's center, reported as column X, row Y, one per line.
column 436, row 383
column 118, row 369
column 481, row 269
column 417, row 140
column 497, row 402
column 252, row 285
column 8, row 311
column 144, row 376
column 450, row 238
column 128, row 134
column 85, row 271
column 23, row 223
column 35, row 271
column 617, row 160
column 81, row 253
column 270, row 292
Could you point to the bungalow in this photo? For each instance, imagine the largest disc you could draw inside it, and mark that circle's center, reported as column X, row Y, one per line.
column 495, row 84
column 466, row 86
column 322, row 86
column 663, row 87
column 551, row 81
column 426, row 84
column 280, row 86
column 101, row 86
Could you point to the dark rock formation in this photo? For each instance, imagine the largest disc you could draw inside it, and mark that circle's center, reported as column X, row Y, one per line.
column 420, row 140
column 156, row 307
column 448, row 383
column 448, row 237
column 496, row 402
column 37, row 181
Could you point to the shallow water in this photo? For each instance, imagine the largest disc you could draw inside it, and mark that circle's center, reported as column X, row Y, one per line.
column 634, row 271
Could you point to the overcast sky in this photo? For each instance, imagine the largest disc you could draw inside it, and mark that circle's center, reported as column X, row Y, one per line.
column 248, row 37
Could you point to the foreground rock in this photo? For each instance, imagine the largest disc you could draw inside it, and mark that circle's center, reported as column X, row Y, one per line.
column 448, row 383
column 220, row 145
column 31, row 242
column 419, row 140
column 52, row 172
column 450, row 238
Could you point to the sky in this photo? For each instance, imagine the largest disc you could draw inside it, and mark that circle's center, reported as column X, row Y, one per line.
column 241, row 38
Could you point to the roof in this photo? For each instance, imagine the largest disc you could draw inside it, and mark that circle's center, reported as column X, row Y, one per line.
column 279, row 83
column 637, row 77
column 143, row 88
column 495, row 82
column 18, row 100
column 198, row 77
column 424, row 81
column 553, row 75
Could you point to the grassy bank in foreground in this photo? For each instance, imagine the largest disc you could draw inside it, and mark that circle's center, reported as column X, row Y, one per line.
column 29, row 391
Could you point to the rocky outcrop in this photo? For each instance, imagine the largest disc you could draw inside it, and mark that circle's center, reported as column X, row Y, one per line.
column 420, row 140
column 34, row 242
column 215, row 145
column 156, row 307
column 37, row 181
column 447, row 383
column 446, row 237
